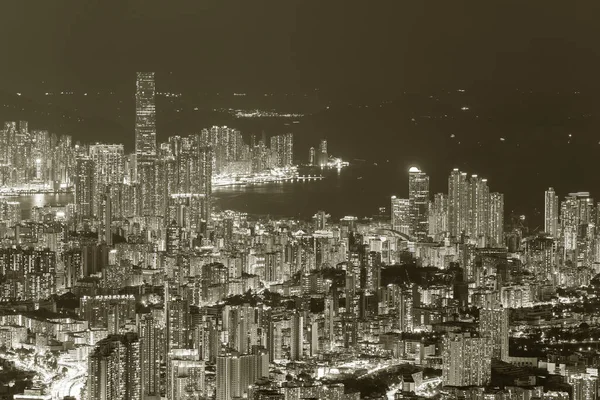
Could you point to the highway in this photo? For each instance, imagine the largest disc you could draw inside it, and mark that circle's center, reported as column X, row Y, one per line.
column 71, row 383
column 58, row 386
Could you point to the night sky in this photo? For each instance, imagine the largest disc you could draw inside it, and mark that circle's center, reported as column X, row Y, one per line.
column 337, row 46
column 530, row 70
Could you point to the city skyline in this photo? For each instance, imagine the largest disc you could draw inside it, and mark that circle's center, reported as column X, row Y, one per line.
column 299, row 200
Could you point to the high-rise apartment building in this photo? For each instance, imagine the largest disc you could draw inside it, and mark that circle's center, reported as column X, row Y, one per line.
column 551, row 213
column 400, row 215
column 151, row 331
column 496, row 220
column 109, row 169
column 585, row 386
column 479, row 208
column 458, row 203
column 297, row 337
column 466, row 360
column 235, row 373
column 576, row 213
column 283, row 145
column 494, row 324
column 178, row 324
column 147, row 180
column 438, row 216
column 114, row 369
column 405, row 308
column 185, row 375
column 84, row 187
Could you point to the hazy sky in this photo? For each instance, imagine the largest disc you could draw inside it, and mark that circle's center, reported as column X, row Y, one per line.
column 336, row 45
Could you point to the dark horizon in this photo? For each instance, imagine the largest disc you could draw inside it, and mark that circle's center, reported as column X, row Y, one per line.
column 339, row 47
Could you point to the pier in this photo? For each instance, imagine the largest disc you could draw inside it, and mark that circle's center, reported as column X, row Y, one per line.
column 253, row 180
column 27, row 192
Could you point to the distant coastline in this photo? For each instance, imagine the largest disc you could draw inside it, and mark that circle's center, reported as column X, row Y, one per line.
column 25, row 192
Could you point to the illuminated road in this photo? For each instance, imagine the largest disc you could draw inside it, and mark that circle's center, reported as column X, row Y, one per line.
column 429, row 387
column 58, row 385
column 71, row 383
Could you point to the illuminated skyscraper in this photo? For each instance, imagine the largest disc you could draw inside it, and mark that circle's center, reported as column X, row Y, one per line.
column 109, row 163
column 400, row 215
column 109, row 169
column 585, row 386
column 312, row 156
column 235, row 373
column 41, row 154
column 7, row 138
column 405, row 308
column 185, row 375
column 107, row 214
column 145, row 114
column 438, row 216
column 178, row 324
column 496, row 220
column 322, row 157
column 284, row 146
column 84, row 187
column 114, row 369
column 479, row 208
column 575, row 213
column 466, row 360
column 551, row 213
column 320, row 219
column 151, row 333
column 418, row 197
column 458, row 208
column 494, row 324
column 297, row 337
column 146, row 177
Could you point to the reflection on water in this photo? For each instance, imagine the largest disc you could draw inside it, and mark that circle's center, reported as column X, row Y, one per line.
column 351, row 191
column 39, row 200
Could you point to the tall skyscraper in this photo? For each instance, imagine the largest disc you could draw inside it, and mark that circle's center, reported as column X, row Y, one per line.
column 585, row 386
column 297, row 337
column 114, row 369
column 496, row 220
column 466, row 360
column 312, row 156
column 84, row 187
column 109, row 169
column 551, row 213
column 235, row 373
column 185, row 375
column 283, row 145
column 494, row 324
column 107, row 214
column 418, row 198
column 323, row 156
column 405, row 309
column 146, row 177
column 479, row 208
column 458, row 207
column 178, row 324
column 575, row 215
column 145, row 114
column 438, row 216
column 400, row 215
column 151, row 332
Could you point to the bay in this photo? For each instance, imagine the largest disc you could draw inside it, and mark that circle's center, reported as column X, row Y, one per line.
column 354, row 190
